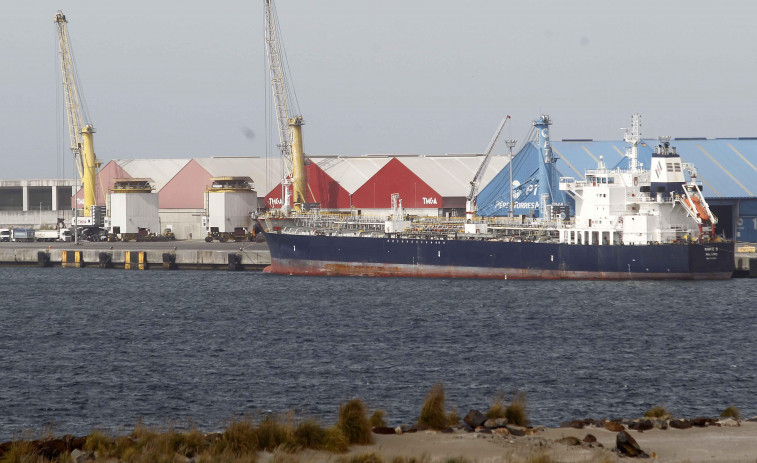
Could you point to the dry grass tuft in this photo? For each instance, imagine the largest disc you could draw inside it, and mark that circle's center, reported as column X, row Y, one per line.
column 274, row 432
column 353, row 422
column 362, row 458
column 516, row 412
column 335, row 441
column 162, row 446
column 21, row 452
column 457, row 460
column 239, row 438
column 377, row 419
column 421, row 459
column 283, row 457
column 498, row 408
column 540, row 457
column 433, row 415
column 731, row 412
column 657, row 412
column 100, row 443
column 226, row 457
column 310, row 435
column 453, row 418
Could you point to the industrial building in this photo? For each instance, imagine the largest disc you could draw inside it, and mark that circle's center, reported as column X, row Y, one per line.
column 428, row 185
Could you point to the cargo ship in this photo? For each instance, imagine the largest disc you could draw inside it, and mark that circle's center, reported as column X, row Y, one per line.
column 629, row 223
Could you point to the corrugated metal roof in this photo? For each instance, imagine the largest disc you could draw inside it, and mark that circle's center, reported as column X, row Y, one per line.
column 161, row 171
column 351, row 172
column 727, row 167
column 253, row 167
column 450, row 175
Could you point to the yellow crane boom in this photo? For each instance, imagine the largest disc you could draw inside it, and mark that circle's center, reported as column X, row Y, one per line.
column 290, row 128
column 79, row 129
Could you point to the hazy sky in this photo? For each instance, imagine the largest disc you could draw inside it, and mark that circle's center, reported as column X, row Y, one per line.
column 187, row 78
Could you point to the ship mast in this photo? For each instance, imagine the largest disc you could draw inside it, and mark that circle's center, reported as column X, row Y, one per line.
column 290, row 128
column 633, row 138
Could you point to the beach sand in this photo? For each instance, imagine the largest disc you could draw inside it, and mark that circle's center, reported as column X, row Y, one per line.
column 710, row 444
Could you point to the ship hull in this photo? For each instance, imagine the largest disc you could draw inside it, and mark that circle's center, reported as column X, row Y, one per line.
column 384, row 257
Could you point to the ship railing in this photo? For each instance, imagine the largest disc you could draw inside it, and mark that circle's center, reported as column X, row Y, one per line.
column 653, row 199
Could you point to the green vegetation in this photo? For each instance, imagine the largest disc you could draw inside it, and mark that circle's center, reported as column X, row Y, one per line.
column 353, row 422
column 433, row 415
column 657, row 412
column 516, row 412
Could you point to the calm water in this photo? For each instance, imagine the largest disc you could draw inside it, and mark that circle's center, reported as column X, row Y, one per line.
column 88, row 348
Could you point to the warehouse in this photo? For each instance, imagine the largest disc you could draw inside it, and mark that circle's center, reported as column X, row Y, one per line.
column 428, row 185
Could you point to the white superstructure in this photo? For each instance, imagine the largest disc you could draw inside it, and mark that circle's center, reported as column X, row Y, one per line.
column 635, row 205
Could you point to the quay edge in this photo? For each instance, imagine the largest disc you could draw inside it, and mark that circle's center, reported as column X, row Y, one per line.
column 151, row 259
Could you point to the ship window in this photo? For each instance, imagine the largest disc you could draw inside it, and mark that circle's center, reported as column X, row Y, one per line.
column 670, row 167
column 678, row 166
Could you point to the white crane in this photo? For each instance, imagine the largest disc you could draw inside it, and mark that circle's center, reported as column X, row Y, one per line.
column 290, row 127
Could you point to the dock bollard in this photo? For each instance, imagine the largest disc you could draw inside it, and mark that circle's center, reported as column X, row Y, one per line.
column 135, row 260
column 169, row 261
column 235, row 262
column 43, row 259
column 105, row 260
column 71, row 259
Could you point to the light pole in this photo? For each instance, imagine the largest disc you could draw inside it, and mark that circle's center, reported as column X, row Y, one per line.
column 511, row 144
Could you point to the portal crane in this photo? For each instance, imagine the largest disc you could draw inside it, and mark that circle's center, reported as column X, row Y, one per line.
column 290, row 127
column 470, row 200
column 80, row 130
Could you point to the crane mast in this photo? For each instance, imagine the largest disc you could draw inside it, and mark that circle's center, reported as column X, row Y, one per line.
column 290, row 128
column 79, row 129
column 470, row 200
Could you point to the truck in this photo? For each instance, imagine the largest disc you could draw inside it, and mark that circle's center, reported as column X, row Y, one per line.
column 60, row 234
column 22, row 234
column 5, row 234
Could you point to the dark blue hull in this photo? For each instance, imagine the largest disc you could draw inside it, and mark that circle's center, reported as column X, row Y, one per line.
column 337, row 255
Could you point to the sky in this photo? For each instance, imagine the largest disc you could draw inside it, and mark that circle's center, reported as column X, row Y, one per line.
column 188, row 78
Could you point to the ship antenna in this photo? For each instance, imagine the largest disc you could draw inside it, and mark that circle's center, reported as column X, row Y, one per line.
column 633, row 138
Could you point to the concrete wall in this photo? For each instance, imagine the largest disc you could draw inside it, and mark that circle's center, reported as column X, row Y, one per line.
column 32, row 219
column 185, row 223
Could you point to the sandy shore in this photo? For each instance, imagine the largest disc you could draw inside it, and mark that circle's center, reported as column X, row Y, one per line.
column 711, row 444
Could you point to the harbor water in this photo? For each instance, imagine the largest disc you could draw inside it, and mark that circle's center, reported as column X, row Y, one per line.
column 85, row 349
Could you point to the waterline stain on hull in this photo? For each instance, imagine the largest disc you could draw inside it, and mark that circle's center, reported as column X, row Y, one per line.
column 386, row 257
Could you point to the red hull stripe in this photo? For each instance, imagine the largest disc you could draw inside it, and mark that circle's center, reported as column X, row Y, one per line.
column 327, row 268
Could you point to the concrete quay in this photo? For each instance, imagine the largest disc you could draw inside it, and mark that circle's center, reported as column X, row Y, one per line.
column 168, row 255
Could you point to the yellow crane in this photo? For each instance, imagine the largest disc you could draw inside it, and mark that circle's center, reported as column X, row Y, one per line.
column 80, row 130
column 290, row 127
